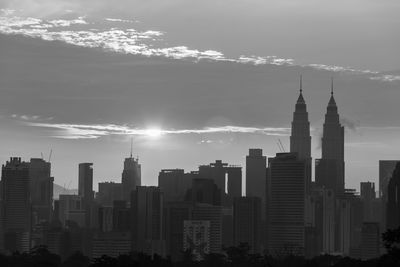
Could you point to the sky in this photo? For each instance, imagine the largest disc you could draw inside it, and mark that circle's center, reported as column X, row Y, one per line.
column 190, row 82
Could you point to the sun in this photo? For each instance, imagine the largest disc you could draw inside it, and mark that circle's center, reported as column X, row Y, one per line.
column 153, row 132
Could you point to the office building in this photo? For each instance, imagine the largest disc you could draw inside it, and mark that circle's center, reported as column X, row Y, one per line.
column 147, row 220
column 174, row 184
column 247, row 222
column 206, row 212
column 15, row 182
column 286, row 209
column 300, row 138
column 85, row 190
column 41, row 188
column 197, row 238
column 131, row 177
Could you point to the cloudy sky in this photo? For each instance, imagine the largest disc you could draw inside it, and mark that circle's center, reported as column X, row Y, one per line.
column 194, row 81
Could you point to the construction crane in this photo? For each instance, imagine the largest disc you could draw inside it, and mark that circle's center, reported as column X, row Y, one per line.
column 280, row 146
column 51, row 153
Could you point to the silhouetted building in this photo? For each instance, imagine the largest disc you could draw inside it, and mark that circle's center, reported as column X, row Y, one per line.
column 197, row 238
column 15, row 181
column 41, row 188
column 174, row 184
column 247, row 222
column 176, row 214
column 108, row 192
column 393, row 201
column 370, row 240
column 228, row 179
column 147, row 220
column 131, row 177
column 371, row 205
column 106, row 223
column 205, row 212
column 71, row 209
column 204, row 191
column 386, row 168
column 111, row 244
column 329, row 171
column 256, row 176
column 300, row 138
column 121, row 216
column 85, row 190
column 286, row 206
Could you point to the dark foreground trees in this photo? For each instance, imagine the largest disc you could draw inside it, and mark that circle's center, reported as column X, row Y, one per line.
column 232, row 257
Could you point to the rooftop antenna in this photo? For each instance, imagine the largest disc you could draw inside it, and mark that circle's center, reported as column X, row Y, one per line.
column 331, row 85
column 301, row 83
column 41, row 154
column 131, row 145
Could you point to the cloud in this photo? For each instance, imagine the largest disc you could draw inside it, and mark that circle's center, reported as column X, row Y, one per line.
column 386, row 78
column 30, row 117
column 349, row 124
column 90, row 131
column 146, row 43
column 67, row 23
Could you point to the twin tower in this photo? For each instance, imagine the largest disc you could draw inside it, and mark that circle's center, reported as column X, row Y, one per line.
column 329, row 169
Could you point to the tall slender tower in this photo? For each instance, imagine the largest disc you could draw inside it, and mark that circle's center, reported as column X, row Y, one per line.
column 131, row 176
column 300, row 138
column 331, row 167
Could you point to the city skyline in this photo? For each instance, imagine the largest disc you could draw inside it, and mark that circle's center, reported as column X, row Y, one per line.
column 200, row 133
column 111, row 91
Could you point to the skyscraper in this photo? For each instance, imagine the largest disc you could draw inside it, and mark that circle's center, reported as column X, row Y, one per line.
column 41, row 187
column 393, row 202
column 131, row 177
column 286, row 208
column 300, row 138
column 247, row 222
column 386, row 168
column 174, row 184
column 256, row 176
column 17, row 205
column 329, row 171
column 147, row 216
column 85, row 189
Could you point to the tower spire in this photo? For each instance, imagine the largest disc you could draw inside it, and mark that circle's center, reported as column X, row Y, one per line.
column 131, row 146
column 332, row 86
column 301, row 83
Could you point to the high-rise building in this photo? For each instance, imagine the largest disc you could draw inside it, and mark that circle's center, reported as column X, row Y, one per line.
column 228, row 179
column 41, row 187
column 206, row 212
column 71, row 210
column 147, row 220
column 247, row 222
column 131, row 177
column 121, row 216
column 176, row 214
column 393, row 201
column 329, row 171
column 111, row 244
column 15, row 182
column 386, row 168
column 85, row 189
column 286, row 208
column 300, row 138
column 371, row 205
column 108, row 193
column 204, row 191
column 174, row 184
column 256, row 176
column 197, row 238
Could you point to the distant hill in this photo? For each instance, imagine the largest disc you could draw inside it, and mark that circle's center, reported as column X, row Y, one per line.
column 59, row 190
